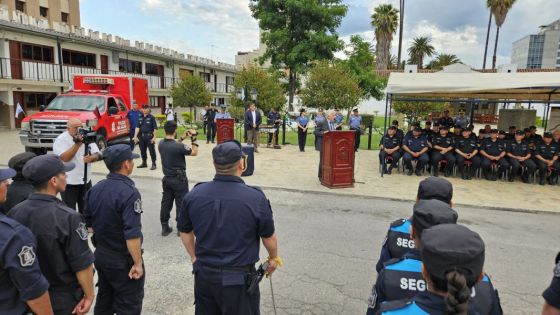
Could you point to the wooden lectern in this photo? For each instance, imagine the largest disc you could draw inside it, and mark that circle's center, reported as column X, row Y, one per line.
column 226, row 129
column 338, row 159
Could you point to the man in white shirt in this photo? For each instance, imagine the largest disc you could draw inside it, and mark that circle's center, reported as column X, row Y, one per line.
column 70, row 147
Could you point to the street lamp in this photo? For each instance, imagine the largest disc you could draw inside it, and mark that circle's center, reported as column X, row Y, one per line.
column 254, row 94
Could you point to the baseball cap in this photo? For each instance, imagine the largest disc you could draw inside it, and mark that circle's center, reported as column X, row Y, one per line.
column 435, row 188
column 227, row 153
column 17, row 162
column 452, row 247
column 494, row 131
column 417, row 129
column 547, row 134
column 7, row 173
column 520, row 132
column 428, row 213
column 43, row 167
column 118, row 153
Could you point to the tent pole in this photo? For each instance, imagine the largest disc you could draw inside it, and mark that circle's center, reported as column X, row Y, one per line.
column 547, row 112
column 386, row 107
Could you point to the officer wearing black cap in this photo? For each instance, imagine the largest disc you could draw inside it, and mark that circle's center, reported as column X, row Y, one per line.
column 493, row 151
column 512, row 131
column 442, row 148
column 20, row 188
column 390, row 145
column 452, row 263
column 175, row 182
column 402, row 277
column 466, row 149
column 113, row 211
column 445, row 120
column 416, row 148
column 546, row 157
column 63, row 251
column 145, row 135
column 398, row 241
column 552, row 294
column 519, row 155
column 228, row 218
column 23, row 286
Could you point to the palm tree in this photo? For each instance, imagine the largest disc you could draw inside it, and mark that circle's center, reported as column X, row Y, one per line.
column 384, row 20
column 487, row 39
column 500, row 9
column 421, row 47
column 443, row 60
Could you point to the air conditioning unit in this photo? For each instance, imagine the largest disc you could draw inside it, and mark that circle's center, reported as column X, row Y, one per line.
column 410, row 68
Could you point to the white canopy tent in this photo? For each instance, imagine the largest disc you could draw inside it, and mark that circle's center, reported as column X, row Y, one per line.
column 474, row 87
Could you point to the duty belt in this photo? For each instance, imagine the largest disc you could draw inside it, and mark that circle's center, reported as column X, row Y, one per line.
column 149, row 134
column 247, row 268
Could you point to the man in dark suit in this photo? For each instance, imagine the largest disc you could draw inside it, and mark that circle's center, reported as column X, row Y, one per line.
column 253, row 120
column 322, row 127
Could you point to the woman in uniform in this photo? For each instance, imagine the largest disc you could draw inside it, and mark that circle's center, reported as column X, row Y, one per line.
column 302, row 124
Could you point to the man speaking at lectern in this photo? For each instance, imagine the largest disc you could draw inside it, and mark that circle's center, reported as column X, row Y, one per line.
column 322, row 127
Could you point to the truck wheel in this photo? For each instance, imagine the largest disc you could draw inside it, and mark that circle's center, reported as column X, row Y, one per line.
column 37, row 151
column 101, row 142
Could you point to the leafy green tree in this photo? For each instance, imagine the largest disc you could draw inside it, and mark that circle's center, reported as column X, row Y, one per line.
column 297, row 32
column 500, row 9
column 190, row 91
column 443, row 60
column 360, row 64
column 414, row 111
column 266, row 83
column 322, row 91
column 420, row 48
column 384, row 20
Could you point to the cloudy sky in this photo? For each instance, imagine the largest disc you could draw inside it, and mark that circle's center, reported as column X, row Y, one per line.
column 218, row 29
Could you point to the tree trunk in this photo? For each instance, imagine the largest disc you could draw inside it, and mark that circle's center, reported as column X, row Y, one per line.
column 487, row 39
column 291, row 88
column 381, row 58
column 495, row 48
column 401, row 21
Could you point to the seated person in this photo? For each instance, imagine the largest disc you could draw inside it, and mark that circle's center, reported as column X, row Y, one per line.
column 390, row 145
column 466, row 149
column 415, row 147
column 493, row 150
column 546, row 156
column 442, row 148
column 519, row 155
column 510, row 136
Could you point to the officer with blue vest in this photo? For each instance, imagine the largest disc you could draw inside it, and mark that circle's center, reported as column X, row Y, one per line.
column 452, row 264
column 228, row 218
column 519, row 155
column 401, row 278
column 355, row 123
column 552, row 294
column 398, row 241
column 133, row 117
column 493, row 150
column 23, row 286
column 416, row 148
column 113, row 211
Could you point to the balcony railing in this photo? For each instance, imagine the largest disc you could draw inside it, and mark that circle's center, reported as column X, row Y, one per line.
column 50, row 72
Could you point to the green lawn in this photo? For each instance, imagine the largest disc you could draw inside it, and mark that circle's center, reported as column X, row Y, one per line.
column 291, row 137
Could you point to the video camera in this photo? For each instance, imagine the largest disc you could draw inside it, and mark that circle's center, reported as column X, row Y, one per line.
column 86, row 136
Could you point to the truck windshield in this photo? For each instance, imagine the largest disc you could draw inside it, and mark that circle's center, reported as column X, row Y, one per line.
column 77, row 102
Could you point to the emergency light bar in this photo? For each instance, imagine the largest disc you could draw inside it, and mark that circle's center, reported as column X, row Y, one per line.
column 100, row 81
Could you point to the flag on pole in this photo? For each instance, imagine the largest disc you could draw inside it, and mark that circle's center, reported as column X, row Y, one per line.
column 19, row 110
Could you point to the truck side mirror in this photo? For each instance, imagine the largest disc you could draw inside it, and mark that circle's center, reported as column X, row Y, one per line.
column 113, row 110
column 42, row 108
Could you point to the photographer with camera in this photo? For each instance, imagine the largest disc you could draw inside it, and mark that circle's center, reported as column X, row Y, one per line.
column 71, row 146
column 175, row 182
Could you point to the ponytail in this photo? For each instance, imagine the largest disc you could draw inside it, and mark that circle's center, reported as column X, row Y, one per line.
column 458, row 294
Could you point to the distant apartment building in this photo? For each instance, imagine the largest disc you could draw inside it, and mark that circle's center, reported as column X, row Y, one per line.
column 61, row 11
column 538, row 51
column 37, row 62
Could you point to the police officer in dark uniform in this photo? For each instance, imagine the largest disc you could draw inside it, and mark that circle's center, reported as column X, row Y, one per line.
column 546, row 157
column 415, row 147
column 493, row 150
column 22, row 284
column 401, row 278
column 211, row 123
column 442, row 148
column 175, row 182
column 519, row 155
column 390, row 145
column 273, row 117
column 466, row 149
column 224, row 255
column 20, row 188
column 145, row 135
column 398, row 241
column 445, row 120
column 113, row 211
column 512, row 131
column 452, row 260
column 552, row 294
column 62, row 238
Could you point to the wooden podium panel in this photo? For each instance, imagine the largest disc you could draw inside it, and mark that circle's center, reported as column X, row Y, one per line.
column 225, row 129
column 338, row 159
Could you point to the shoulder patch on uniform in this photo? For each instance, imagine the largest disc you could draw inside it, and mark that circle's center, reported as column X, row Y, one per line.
column 138, row 206
column 395, row 305
column 26, row 256
column 398, row 222
column 82, row 231
column 557, row 270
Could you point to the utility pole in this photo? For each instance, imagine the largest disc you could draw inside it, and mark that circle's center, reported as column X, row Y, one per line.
column 401, row 22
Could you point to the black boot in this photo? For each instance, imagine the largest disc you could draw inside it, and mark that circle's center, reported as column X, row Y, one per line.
column 418, row 172
column 153, row 166
column 390, row 170
column 166, row 229
column 436, row 171
column 143, row 165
